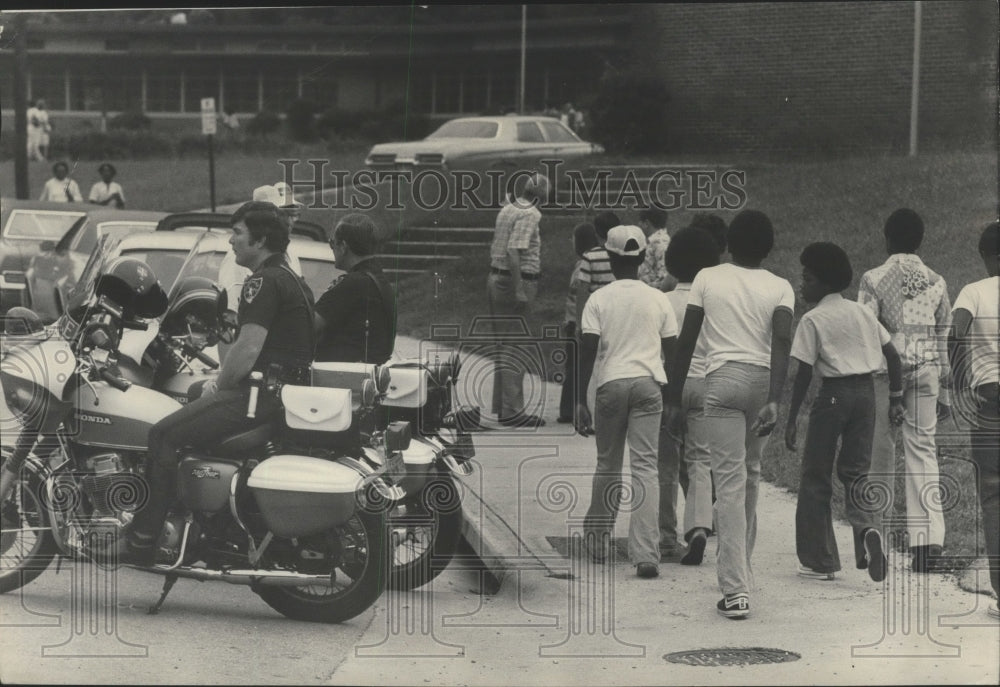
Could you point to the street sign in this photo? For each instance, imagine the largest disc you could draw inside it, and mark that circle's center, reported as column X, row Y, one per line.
column 208, row 116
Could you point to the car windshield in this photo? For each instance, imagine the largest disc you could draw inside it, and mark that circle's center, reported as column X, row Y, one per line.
column 89, row 235
column 39, row 224
column 466, row 128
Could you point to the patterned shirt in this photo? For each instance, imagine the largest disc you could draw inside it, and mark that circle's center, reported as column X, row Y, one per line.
column 911, row 301
column 653, row 270
column 517, row 227
column 596, row 269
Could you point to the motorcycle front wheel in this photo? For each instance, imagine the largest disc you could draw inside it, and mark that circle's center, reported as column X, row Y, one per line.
column 26, row 543
column 425, row 531
column 359, row 576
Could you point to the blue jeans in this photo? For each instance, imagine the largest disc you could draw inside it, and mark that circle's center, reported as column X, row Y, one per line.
column 734, row 394
column 843, row 409
column 629, row 411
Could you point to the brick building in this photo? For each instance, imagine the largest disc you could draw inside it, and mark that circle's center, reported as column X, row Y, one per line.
column 748, row 76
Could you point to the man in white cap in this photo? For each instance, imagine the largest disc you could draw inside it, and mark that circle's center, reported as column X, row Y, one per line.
column 632, row 328
column 515, row 263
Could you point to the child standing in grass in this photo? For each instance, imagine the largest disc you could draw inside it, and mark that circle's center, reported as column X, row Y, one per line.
column 584, row 239
column 747, row 316
column 844, row 343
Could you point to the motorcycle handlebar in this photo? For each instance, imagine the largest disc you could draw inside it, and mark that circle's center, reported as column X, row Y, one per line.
column 113, row 380
column 206, row 359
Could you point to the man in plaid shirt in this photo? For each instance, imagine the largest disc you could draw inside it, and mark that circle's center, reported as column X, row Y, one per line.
column 515, row 263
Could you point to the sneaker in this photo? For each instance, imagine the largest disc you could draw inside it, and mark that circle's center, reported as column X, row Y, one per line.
column 815, row 574
column 734, row 606
column 993, row 610
column 876, row 557
column 696, row 549
column 647, row 570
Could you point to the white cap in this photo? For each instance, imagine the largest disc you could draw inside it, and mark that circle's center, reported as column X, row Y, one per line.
column 267, row 194
column 287, row 197
column 625, row 239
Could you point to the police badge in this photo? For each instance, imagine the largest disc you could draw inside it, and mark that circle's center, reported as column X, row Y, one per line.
column 251, row 288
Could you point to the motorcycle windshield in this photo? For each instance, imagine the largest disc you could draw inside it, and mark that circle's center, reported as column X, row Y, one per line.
column 203, row 260
column 79, row 297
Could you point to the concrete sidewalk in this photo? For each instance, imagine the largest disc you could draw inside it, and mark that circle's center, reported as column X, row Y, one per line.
column 531, row 488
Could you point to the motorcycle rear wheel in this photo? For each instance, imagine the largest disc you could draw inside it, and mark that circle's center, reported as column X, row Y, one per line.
column 425, row 532
column 363, row 562
column 26, row 546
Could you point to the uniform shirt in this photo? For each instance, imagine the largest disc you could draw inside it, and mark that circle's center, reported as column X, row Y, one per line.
column 232, row 276
column 65, row 191
column 678, row 301
column 571, row 296
column 354, row 298
column 517, row 227
column 596, row 270
column 910, row 300
column 631, row 318
column 982, row 300
column 281, row 303
column 840, row 338
column 100, row 191
column 739, row 303
column 653, row 270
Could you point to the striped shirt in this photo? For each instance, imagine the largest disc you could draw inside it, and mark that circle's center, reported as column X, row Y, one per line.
column 596, row 270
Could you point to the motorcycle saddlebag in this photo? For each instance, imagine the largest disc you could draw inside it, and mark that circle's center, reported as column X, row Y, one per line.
column 299, row 496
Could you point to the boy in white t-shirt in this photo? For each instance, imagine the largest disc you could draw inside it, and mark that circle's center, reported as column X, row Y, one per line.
column 629, row 325
column 974, row 351
column 746, row 315
column 107, row 191
column 843, row 342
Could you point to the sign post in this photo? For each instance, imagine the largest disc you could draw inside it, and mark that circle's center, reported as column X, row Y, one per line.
column 208, row 129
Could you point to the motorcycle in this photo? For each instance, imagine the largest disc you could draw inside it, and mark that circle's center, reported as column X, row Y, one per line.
column 175, row 357
column 279, row 508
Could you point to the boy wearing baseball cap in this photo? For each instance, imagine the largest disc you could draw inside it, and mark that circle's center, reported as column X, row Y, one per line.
column 632, row 328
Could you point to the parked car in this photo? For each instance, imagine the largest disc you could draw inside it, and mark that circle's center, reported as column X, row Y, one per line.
column 58, row 265
column 24, row 226
column 473, row 142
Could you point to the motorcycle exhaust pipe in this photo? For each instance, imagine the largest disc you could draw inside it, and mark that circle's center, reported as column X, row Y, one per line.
column 270, row 578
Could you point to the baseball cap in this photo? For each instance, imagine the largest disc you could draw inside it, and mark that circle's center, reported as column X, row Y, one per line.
column 625, row 239
column 287, row 197
column 267, row 194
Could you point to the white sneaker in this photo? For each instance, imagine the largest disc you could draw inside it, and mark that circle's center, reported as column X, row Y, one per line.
column 815, row 574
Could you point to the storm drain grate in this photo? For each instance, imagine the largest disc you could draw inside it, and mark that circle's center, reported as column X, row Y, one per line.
column 564, row 547
column 727, row 656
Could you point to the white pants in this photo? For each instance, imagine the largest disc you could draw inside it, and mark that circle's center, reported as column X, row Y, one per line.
column 924, row 515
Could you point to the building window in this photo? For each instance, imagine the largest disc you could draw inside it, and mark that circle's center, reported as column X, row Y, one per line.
column 448, row 93
column 418, row 94
column 163, row 91
column 474, row 93
column 198, row 85
column 35, row 44
column 51, row 87
column 320, row 86
column 503, row 92
column 240, row 90
column 123, row 93
column 281, row 87
column 116, row 44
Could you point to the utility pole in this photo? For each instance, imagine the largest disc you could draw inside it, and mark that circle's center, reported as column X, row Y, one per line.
column 524, row 46
column 915, row 83
column 20, row 25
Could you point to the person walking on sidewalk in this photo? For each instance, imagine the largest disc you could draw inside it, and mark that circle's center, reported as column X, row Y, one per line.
column 515, row 263
column 845, row 344
column 747, row 316
column 691, row 251
column 584, row 239
column 653, row 271
column 974, row 350
column 911, row 301
column 630, row 325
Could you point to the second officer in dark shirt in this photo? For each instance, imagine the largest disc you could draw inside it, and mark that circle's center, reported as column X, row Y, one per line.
column 356, row 316
column 275, row 337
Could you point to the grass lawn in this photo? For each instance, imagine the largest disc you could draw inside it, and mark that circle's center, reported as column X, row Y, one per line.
column 178, row 184
column 845, row 201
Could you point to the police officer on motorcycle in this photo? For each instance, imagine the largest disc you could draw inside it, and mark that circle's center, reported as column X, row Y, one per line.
column 275, row 337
